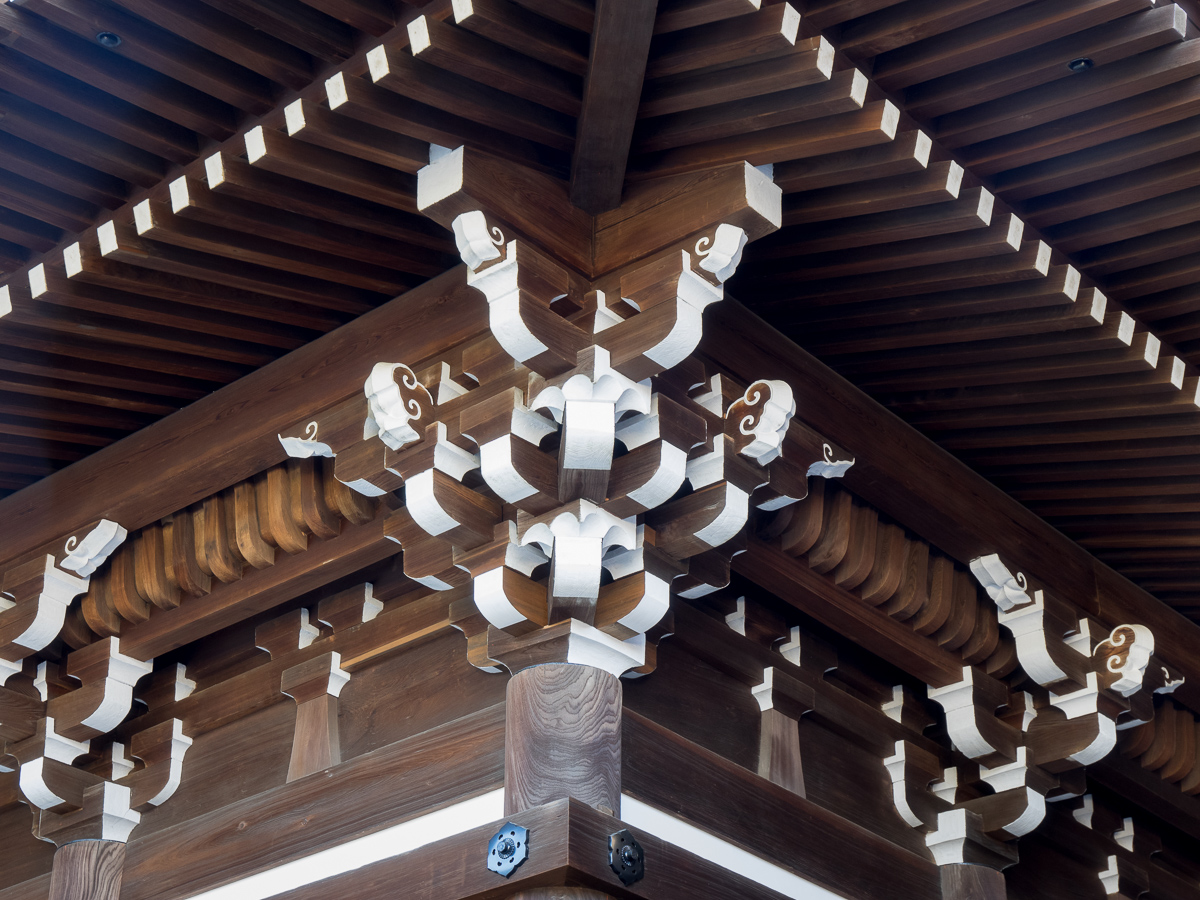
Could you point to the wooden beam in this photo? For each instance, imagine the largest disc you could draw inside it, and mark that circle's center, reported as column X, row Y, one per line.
column 921, row 486
column 611, row 92
column 216, row 449
column 665, row 770
column 389, row 785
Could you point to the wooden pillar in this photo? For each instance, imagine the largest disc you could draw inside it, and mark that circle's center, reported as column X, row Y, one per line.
column 87, row 870
column 563, row 737
column 962, row 881
column 315, row 685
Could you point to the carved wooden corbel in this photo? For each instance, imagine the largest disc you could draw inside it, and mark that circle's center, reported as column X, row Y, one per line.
column 971, row 720
column 921, row 788
column 35, row 593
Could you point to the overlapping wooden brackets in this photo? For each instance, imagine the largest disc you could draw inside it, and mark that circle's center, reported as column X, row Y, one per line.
column 783, row 700
column 1053, row 644
column 971, row 721
column 588, row 401
column 427, row 560
column 669, row 294
column 315, row 685
column 71, row 803
column 960, row 838
column 1064, row 653
column 37, row 589
column 161, row 749
column 108, row 678
column 19, row 715
column 580, row 540
column 508, row 433
column 1072, row 731
column 658, row 443
column 921, row 789
column 435, row 496
column 1019, row 802
column 639, row 598
column 646, row 313
column 520, row 284
column 718, row 507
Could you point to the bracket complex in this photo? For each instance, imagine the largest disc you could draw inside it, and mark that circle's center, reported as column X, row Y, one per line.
column 579, row 465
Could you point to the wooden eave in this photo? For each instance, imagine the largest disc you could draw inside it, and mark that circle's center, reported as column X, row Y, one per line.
column 984, row 287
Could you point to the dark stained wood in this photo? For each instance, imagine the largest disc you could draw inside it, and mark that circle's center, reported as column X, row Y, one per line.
column 612, row 88
column 389, row 785
column 444, row 300
column 842, row 610
column 87, row 870
column 683, row 779
column 563, row 737
column 967, row 882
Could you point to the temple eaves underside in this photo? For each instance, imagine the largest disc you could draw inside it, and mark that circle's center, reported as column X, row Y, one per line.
column 732, row 591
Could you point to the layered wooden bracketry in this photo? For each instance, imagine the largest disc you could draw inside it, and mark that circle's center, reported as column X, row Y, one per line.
column 562, row 574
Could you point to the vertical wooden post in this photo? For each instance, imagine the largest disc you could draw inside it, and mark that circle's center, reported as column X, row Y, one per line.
column 962, row 881
column 87, row 870
column 563, row 737
column 783, row 700
column 315, row 685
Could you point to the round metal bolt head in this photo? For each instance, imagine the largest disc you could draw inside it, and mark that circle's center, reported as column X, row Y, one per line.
column 108, row 39
column 626, row 857
column 1082, row 64
column 508, row 848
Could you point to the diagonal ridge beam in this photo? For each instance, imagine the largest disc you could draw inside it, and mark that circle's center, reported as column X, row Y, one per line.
column 611, row 92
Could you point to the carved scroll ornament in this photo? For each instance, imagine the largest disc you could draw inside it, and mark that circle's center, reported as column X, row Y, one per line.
column 580, row 489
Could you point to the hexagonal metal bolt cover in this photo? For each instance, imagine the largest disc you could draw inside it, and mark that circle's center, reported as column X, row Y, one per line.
column 508, row 848
column 626, row 857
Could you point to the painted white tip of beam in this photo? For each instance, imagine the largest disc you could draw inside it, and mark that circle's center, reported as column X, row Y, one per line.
column 377, row 63
column 214, row 170
column 418, row 35
column 293, row 117
column 335, row 90
column 790, row 26
column 1178, row 368
column 825, row 54
column 463, row 9
column 889, row 122
column 682, row 834
column 1071, row 283
column 181, row 197
column 5, row 301
column 858, row 89
column 256, row 145
column 922, row 147
column 143, row 217
column 37, row 280
column 389, row 842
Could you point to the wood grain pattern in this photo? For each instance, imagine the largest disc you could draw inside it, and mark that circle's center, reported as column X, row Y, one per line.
column 673, row 774
column 87, row 870
column 563, row 737
column 966, row 882
column 397, row 782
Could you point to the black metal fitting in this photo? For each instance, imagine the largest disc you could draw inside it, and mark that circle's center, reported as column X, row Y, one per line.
column 508, row 848
column 626, row 857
